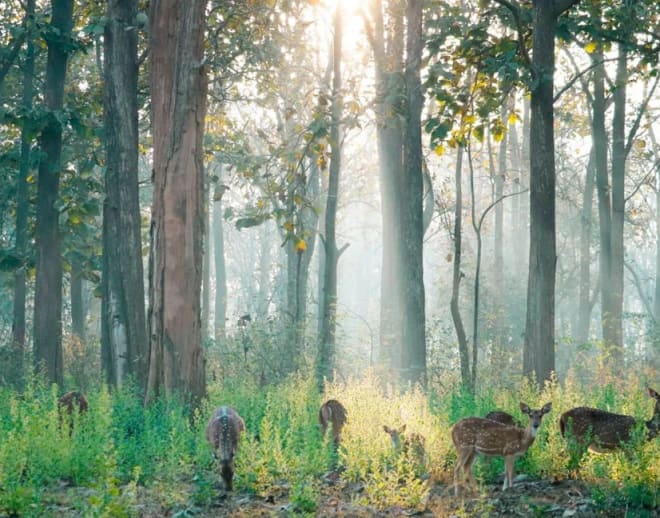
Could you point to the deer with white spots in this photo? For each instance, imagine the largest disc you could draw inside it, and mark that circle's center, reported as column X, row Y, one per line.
column 602, row 431
column 475, row 435
column 223, row 432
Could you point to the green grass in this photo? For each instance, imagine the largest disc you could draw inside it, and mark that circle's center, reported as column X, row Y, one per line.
column 119, row 449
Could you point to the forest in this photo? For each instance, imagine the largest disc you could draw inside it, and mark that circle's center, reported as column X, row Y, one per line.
column 329, row 258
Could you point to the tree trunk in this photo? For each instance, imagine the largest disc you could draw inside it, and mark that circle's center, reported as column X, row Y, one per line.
column 264, row 271
column 220, row 318
column 23, row 202
column 124, row 343
column 77, row 304
column 48, row 286
column 389, row 134
column 463, row 351
column 178, row 93
column 584, row 285
column 326, row 354
column 599, row 142
column 206, row 267
column 614, row 341
column 413, row 357
column 539, row 347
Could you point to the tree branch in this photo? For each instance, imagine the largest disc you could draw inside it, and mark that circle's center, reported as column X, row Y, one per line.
column 564, row 5
column 515, row 11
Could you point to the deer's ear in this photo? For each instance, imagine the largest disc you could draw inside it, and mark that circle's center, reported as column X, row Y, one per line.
column 653, row 393
column 546, row 408
column 402, row 429
column 524, row 408
column 387, row 429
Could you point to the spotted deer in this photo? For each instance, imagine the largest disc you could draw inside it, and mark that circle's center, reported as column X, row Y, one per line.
column 502, row 417
column 412, row 444
column 475, row 435
column 223, row 432
column 68, row 404
column 332, row 414
column 601, row 431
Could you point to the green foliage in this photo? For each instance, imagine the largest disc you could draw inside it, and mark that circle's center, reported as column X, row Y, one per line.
column 120, row 453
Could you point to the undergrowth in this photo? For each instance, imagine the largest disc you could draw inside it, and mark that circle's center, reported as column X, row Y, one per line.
column 119, row 449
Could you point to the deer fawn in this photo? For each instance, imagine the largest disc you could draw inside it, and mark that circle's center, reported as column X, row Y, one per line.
column 223, row 432
column 332, row 413
column 411, row 443
column 601, row 431
column 68, row 403
column 478, row 435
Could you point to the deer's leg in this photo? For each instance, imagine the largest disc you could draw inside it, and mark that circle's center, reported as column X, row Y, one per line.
column 463, row 455
column 508, row 472
column 468, row 469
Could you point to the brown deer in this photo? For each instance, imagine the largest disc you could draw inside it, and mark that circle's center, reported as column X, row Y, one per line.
column 332, row 413
column 502, row 417
column 478, row 435
column 223, row 432
column 68, row 403
column 407, row 443
column 601, row 431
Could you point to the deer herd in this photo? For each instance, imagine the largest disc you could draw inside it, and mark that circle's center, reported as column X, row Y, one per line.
column 497, row 434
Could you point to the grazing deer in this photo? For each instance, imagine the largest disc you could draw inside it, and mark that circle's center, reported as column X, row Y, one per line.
column 332, row 413
column 223, row 432
column 68, row 403
column 601, row 431
column 502, row 417
column 478, row 435
column 411, row 443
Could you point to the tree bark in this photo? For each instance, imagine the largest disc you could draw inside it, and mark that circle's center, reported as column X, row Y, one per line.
column 220, row 318
column 614, row 339
column 48, row 286
column 539, row 346
column 463, row 351
column 77, row 303
column 411, row 274
column 584, row 285
column 124, row 343
column 389, row 135
column 326, row 353
column 22, row 200
column 178, row 93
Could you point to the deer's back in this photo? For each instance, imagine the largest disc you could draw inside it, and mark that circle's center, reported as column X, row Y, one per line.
column 223, row 431
column 487, row 436
column 501, row 417
column 332, row 412
column 597, row 428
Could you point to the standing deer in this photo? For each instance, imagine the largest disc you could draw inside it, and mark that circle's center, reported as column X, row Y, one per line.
column 478, row 435
column 223, row 432
column 601, row 431
column 502, row 417
column 411, row 443
column 332, row 413
column 70, row 402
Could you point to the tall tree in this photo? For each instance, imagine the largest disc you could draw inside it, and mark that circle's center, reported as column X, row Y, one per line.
column 326, row 351
column 124, row 342
column 387, row 43
column 539, row 346
column 22, row 199
column 411, row 271
column 48, row 287
column 178, row 101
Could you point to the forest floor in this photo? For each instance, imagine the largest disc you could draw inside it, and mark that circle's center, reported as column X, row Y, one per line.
column 528, row 497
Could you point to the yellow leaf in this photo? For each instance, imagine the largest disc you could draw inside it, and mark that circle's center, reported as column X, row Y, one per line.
column 590, row 47
column 640, row 143
column 75, row 219
column 513, row 118
column 30, row 179
column 469, row 119
column 288, row 226
column 261, row 203
column 301, row 246
column 440, row 150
